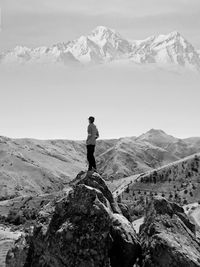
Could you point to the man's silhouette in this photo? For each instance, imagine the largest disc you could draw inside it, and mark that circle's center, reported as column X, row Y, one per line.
column 93, row 134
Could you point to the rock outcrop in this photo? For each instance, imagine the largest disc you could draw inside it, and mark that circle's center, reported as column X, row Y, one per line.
column 87, row 228
column 168, row 237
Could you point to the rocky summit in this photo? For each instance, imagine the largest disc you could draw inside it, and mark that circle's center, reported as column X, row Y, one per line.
column 168, row 237
column 87, row 228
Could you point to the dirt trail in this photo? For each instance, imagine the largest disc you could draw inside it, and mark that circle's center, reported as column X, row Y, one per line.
column 124, row 184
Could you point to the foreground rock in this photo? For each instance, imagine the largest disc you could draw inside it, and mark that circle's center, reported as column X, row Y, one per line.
column 168, row 237
column 87, row 228
column 7, row 239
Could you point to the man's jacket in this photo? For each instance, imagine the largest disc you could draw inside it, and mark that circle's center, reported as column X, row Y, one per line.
column 93, row 134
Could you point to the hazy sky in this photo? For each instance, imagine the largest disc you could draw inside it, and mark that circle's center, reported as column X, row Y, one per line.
column 126, row 100
column 42, row 22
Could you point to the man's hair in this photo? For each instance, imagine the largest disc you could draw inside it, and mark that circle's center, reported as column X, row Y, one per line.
column 91, row 119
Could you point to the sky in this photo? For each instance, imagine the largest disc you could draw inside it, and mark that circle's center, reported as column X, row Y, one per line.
column 54, row 103
column 45, row 22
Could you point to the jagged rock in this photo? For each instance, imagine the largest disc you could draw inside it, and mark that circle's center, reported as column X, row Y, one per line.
column 168, row 237
column 95, row 180
column 122, row 254
column 125, row 211
column 87, row 229
column 18, row 255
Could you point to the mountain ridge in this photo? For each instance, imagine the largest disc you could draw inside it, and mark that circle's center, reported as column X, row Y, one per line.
column 32, row 167
column 104, row 45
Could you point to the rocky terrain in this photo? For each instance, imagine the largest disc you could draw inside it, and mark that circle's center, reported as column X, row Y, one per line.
column 36, row 174
column 167, row 236
column 30, row 167
column 7, row 239
column 88, row 227
column 178, row 182
column 105, row 45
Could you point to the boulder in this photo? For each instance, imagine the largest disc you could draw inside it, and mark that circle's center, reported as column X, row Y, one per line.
column 95, row 180
column 125, row 249
column 87, row 228
column 18, row 254
column 125, row 211
column 168, row 237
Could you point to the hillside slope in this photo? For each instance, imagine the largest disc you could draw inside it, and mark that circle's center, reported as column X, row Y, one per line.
column 178, row 182
column 149, row 151
column 32, row 167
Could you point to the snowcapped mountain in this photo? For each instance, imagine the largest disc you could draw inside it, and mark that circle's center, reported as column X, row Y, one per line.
column 38, row 55
column 167, row 49
column 111, row 43
column 104, row 45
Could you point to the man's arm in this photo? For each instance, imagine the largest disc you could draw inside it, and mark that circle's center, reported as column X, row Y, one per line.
column 89, row 131
column 97, row 134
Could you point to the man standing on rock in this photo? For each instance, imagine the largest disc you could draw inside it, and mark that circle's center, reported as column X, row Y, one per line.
column 93, row 134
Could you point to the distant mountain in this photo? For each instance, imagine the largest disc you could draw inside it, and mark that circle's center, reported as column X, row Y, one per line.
column 32, row 167
column 195, row 141
column 180, row 148
column 149, row 151
column 131, row 156
column 54, row 54
column 104, row 45
column 167, row 49
column 157, row 137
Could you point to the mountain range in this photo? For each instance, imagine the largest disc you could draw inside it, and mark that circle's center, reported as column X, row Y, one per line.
column 34, row 167
column 104, row 45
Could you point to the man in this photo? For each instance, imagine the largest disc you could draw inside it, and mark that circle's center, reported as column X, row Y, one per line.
column 93, row 134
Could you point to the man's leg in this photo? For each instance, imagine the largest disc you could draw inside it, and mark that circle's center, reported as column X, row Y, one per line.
column 93, row 158
column 89, row 157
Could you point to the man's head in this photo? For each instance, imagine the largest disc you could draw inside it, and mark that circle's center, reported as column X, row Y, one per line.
column 91, row 119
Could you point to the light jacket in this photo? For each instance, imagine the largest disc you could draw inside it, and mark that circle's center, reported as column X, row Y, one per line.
column 93, row 134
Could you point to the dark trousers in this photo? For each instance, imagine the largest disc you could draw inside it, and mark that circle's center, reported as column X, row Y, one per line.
column 90, row 157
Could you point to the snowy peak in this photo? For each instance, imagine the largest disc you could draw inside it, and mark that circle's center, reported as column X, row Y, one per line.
column 101, row 35
column 172, row 35
column 173, row 38
column 85, row 50
column 103, row 45
column 175, row 34
column 169, row 49
column 112, row 44
column 101, row 32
